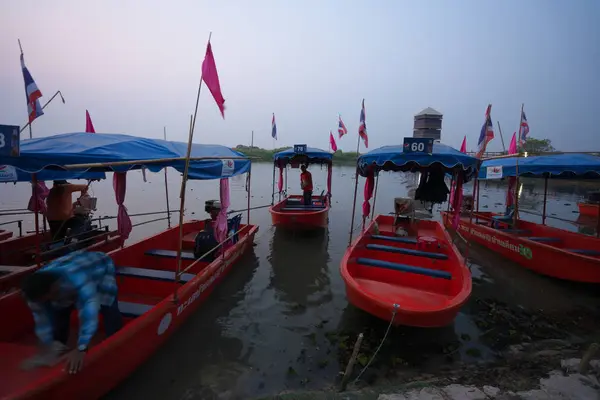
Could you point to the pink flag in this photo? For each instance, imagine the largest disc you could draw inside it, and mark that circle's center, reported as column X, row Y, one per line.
column 512, row 148
column 463, row 146
column 332, row 142
column 210, row 77
column 89, row 127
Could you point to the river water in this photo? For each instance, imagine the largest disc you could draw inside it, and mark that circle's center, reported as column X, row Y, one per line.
column 267, row 327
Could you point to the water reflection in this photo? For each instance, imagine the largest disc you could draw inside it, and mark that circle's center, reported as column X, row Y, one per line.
column 299, row 268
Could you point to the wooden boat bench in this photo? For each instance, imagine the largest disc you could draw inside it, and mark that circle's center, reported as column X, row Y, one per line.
column 404, row 239
column 156, row 274
column 404, row 268
column 585, row 252
column 133, row 309
column 543, row 239
column 410, row 252
column 185, row 255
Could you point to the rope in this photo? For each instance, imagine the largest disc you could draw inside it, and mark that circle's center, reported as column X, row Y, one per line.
column 248, row 209
column 380, row 344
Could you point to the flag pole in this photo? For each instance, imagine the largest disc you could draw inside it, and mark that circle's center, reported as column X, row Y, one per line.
column 516, row 213
column 501, row 137
column 58, row 93
column 30, row 133
column 167, row 186
column 185, row 176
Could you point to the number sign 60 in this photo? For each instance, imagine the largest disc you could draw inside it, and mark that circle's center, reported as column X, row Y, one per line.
column 420, row 146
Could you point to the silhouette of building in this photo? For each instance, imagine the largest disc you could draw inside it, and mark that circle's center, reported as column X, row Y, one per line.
column 428, row 124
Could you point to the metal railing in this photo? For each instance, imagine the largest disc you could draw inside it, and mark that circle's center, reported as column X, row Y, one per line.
column 19, row 223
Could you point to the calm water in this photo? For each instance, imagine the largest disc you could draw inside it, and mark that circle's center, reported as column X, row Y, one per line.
column 272, row 314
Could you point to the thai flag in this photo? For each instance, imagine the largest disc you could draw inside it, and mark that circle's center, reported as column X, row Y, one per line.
column 362, row 128
column 32, row 92
column 341, row 127
column 487, row 132
column 524, row 129
column 273, row 128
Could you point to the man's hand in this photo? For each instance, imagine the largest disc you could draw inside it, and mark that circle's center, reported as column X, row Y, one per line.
column 75, row 361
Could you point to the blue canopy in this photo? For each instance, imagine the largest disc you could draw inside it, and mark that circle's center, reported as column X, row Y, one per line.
column 56, row 152
column 13, row 175
column 582, row 166
column 311, row 156
column 393, row 158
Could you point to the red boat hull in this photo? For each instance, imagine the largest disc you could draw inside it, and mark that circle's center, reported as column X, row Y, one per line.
column 555, row 257
column 592, row 210
column 111, row 360
column 284, row 216
column 423, row 300
column 5, row 235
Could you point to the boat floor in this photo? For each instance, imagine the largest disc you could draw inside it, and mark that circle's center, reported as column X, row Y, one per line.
column 405, row 297
column 25, row 346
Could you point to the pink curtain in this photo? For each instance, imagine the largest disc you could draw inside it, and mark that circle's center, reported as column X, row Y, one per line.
column 369, row 186
column 124, row 226
column 39, row 195
column 329, row 172
column 512, row 180
column 457, row 200
column 220, row 224
column 280, row 183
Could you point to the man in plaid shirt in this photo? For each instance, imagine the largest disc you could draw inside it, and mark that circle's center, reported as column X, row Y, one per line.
column 82, row 280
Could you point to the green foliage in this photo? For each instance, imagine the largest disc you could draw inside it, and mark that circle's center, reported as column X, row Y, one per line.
column 533, row 145
column 259, row 154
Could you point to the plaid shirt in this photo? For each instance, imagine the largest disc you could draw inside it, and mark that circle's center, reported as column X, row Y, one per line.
column 87, row 280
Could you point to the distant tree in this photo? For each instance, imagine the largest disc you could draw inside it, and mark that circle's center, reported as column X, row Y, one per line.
column 533, row 145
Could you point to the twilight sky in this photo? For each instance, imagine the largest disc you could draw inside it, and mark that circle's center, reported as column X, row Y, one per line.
column 135, row 66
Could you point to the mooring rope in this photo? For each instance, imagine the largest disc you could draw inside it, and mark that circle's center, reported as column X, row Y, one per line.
column 380, row 344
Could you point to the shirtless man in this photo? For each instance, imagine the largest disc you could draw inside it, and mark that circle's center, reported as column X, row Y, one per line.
column 60, row 207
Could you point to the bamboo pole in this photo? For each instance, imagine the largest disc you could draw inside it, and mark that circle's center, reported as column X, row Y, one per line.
column 374, row 198
column 38, row 239
column 182, row 200
column 167, row 186
column 351, row 362
column 146, row 161
column 248, row 192
column 545, row 200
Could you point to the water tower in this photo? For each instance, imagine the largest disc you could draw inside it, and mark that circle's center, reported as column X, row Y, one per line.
column 428, row 124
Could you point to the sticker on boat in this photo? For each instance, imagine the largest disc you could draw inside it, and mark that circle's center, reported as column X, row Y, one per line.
column 8, row 173
column 228, row 167
column 494, row 172
column 165, row 322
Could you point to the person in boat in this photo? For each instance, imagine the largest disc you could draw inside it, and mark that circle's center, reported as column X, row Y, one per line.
column 306, row 185
column 81, row 280
column 206, row 239
column 60, row 208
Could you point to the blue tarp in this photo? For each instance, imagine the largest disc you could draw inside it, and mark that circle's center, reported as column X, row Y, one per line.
column 582, row 166
column 54, row 152
column 314, row 156
column 11, row 174
column 393, row 158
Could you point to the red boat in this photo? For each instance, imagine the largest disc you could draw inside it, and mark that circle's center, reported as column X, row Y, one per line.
column 291, row 212
column 401, row 269
column 593, row 210
column 591, row 206
column 150, row 298
column 543, row 249
column 17, row 255
column 381, row 269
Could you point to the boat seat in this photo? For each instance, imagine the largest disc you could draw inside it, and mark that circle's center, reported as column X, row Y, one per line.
column 405, row 240
column 544, row 239
column 434, row 273
column 133, row 309
column 301, row 208
column 185, row 255
column 157, row 274
column 585, row 252
column 410, row 252
column 516, row 231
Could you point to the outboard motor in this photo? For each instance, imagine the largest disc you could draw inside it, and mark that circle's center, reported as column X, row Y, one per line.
column 83, row 210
